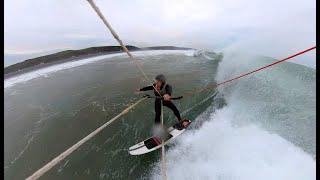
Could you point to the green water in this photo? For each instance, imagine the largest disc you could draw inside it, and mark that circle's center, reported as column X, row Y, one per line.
column 45, row 116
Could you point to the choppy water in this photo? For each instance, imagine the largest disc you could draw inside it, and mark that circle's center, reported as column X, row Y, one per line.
column 261, row 127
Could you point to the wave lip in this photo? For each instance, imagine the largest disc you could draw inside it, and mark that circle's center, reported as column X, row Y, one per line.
column 44, row 72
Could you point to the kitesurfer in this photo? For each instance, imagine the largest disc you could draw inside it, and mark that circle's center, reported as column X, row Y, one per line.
column 165, row 91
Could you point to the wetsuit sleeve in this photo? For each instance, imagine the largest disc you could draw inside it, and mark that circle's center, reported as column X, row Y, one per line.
column 147, row 88
column 169, row 89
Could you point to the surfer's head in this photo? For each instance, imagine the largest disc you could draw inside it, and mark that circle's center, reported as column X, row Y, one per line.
column 160, row 79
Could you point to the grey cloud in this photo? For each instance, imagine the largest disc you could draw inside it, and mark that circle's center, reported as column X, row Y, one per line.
column 272, row 28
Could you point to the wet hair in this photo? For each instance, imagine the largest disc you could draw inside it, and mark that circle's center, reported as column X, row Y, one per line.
column 161, row 78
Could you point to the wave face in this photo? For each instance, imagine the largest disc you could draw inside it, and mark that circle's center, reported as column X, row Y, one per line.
column 266, row 131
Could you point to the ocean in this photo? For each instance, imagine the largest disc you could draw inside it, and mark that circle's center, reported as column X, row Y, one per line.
column 260, row 127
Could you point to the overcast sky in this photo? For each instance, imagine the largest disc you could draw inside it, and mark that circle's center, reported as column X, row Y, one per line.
column 273, row 28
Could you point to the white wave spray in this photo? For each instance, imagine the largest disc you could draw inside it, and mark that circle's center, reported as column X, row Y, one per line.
column 220, row 150
column 239, row 140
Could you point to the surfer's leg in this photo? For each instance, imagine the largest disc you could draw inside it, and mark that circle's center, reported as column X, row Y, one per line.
column 175, row 110
column 157, row 109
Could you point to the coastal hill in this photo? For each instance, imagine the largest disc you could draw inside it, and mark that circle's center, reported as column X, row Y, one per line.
column 71, row 55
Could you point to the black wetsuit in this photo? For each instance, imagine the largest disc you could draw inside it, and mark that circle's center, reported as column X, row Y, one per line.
column 157, row 104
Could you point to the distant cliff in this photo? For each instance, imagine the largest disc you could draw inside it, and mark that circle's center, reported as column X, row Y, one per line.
column 70, row 55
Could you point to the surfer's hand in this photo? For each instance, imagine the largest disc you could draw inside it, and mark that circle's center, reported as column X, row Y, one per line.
column 166, row 97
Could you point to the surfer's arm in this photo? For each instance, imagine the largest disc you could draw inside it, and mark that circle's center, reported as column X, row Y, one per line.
column 148, row 88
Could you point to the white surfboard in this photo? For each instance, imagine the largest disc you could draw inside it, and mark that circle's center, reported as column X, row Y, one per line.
column 154, row 143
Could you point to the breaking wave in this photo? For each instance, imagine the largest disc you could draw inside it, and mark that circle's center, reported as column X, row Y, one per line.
column 219, row 151
column 266, row 130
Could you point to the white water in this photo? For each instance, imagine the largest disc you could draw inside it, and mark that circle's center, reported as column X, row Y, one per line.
column 236, row 142
column 44, row 72
column 219, row 151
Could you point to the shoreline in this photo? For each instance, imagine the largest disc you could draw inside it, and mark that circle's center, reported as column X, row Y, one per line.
column 45, row 65
column 46, row 69
column 73, row 55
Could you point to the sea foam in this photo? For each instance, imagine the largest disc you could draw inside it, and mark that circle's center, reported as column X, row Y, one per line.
column 221, row 151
